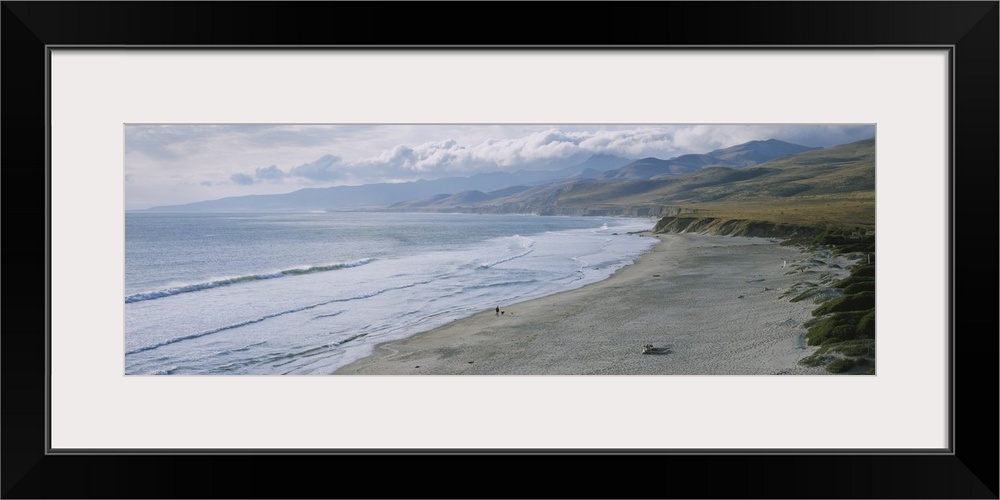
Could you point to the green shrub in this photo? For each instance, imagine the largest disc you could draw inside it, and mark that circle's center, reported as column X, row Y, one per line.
column 814, row 360
column 867, row 247
column 853, row 280
column 863, row 270
column 805, row 295
column 842, row 332
column 840, row 365
column 861, row 286
column 829, row 238
column 866, row 325
column 861, row 301
column 854, row 348
column 834, row 327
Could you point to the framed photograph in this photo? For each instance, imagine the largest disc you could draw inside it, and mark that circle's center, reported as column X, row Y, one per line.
column 196, row 315
column 388, row 249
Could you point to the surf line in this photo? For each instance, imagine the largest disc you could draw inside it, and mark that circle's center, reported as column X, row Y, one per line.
column 139, row 297
column 266, row 317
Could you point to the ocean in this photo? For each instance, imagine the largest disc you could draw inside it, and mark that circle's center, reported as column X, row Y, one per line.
column 306, row 293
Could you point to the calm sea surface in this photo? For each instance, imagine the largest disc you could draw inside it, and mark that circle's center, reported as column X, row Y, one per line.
column 307, row 293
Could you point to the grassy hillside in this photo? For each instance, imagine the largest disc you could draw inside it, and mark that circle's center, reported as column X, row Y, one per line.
column 849, row 211
column 831, row 188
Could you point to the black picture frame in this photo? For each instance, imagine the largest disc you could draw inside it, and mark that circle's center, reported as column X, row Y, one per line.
column 970, row 29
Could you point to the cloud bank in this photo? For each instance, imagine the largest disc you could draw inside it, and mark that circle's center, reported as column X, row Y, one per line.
column 227, row 160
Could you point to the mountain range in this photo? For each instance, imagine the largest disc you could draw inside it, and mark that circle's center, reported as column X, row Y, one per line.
column 382, row 194
column 521, row 191
column 802, row 193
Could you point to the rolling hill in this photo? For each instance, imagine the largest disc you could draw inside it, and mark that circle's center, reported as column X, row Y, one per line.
column 816, row 188
column 382, row 194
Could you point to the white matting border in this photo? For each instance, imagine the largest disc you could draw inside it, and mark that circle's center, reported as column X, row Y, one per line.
column 94, row 93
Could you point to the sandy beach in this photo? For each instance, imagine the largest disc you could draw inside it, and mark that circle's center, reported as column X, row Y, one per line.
column 709, row 305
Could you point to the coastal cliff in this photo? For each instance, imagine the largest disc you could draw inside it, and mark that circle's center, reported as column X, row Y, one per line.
column 733, row 227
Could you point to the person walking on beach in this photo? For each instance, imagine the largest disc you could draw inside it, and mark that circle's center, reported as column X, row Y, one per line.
column 498, row 310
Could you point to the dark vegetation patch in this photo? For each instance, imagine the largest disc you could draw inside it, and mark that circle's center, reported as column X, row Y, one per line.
column 834, row 327
column 852, row 280
column 861, row 301
column 805, row 295
column 861, row 286
column 839, row 357
column 844, row 327
column 840, row 365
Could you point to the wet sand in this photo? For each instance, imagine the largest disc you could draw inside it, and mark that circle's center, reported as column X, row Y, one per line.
column 709, row 305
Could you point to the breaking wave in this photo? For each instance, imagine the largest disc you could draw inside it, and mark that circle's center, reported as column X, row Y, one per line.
column 195, row 287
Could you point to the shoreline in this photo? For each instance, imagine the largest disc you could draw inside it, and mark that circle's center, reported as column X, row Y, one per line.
column 709, row 305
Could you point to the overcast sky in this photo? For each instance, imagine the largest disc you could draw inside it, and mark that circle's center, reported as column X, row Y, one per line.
column 175, row 164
